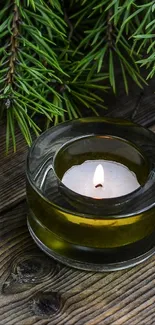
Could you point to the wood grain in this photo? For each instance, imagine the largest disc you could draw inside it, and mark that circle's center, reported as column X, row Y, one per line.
column 12, row 171
column 36, row 290
column 138, row 105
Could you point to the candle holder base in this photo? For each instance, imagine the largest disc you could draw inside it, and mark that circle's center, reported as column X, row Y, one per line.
column 103, row 266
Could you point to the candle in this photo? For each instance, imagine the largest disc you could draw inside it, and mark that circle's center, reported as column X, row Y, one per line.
column 100, row 179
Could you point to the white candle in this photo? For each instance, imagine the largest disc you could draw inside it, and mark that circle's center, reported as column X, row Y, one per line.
column 100, row 179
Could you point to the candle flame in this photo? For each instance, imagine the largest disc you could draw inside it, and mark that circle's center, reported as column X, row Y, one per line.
column 98, row 178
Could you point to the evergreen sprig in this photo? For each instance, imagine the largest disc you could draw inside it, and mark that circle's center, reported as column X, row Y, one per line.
column 113, row 25
column 56, row 55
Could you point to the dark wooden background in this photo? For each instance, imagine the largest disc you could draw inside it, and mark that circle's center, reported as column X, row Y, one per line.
column 36, row 290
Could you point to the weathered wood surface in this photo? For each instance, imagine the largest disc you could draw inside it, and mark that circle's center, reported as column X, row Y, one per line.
column 12, row 171
column 35, row 290
column 138, row 106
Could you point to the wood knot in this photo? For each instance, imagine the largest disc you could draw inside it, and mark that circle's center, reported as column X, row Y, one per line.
column 46, row 304
column 27, row 271
column 28, row 268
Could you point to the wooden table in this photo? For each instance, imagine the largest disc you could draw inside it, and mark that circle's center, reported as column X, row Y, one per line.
column 35, row 289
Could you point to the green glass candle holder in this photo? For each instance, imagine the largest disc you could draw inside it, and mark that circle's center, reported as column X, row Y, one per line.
column 81, row 231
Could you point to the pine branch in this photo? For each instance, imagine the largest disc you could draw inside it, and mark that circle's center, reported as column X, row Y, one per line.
column 106, row 29
column 30, row 68
column 110, row 29
column 14, row 45
column 56, row 55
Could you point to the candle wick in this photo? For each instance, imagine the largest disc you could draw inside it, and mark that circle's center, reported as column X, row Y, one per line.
column 98, row 185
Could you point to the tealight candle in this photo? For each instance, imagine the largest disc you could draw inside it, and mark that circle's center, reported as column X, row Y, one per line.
column 100, row 179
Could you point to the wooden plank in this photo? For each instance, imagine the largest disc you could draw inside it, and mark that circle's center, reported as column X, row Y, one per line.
column 36, row 290
column 152, row 128
column 138, row 105
column 12, row 171
column 146, row 111
column 122, row 105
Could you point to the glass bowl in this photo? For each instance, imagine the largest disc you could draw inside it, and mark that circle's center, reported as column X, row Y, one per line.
column 80, row 231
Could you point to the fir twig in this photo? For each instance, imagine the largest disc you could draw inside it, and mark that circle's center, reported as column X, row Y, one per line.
column 56, row 56
column 14, row 45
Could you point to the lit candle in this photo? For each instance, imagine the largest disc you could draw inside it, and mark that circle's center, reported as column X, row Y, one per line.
column 100, row 179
